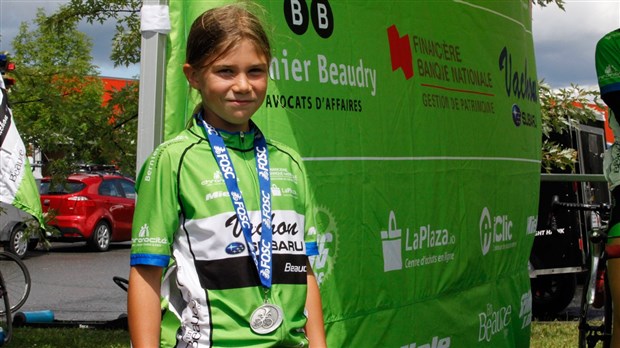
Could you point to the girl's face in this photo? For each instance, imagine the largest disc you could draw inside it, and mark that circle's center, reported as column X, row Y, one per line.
column 232, row 87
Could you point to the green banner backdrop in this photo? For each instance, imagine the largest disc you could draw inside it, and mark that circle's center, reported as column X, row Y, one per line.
column 419, row 123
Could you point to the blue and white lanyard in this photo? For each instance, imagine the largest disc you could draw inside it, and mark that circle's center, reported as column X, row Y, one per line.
column 263, row 257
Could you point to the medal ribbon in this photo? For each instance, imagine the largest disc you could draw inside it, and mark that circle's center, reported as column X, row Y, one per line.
column 263, row 256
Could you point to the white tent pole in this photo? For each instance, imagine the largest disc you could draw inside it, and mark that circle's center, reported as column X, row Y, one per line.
column 152, row 86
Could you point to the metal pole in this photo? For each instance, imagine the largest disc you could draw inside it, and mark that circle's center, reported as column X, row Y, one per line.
column 573, row 177
column 152, row 87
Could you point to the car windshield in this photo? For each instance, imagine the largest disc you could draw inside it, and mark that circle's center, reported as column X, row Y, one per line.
column 61, row 188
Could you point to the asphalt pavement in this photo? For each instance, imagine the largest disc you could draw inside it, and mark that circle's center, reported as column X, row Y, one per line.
column 76, row 283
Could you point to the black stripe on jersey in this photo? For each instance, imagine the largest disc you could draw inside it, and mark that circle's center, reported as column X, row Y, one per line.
column 240, row 272
column 179, row 200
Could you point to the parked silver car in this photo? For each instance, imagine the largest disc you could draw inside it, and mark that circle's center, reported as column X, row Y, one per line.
column 13, row 225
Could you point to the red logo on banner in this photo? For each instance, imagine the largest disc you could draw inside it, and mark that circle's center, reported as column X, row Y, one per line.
column 400, row 52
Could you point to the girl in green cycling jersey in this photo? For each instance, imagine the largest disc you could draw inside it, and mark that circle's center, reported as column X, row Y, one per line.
column 233, row 257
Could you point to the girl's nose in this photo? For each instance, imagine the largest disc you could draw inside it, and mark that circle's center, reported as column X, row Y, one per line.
column 242, row 84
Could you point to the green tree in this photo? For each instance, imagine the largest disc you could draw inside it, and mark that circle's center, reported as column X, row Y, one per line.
column 124, row 13
column 560, row 110
column 544, row 3
column 57, row 100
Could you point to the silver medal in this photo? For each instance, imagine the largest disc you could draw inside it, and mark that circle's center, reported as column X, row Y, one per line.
column 266, row 318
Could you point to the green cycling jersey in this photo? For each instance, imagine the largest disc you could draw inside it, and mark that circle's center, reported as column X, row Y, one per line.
column 185, row 222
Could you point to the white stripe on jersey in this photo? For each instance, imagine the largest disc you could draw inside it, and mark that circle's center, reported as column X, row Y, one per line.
column 210, row 237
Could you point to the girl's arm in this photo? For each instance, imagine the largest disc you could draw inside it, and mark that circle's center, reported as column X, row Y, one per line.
column 315, row 328
column 143, row 305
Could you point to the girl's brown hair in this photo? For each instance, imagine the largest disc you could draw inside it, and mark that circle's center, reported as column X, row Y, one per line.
column 218, row 29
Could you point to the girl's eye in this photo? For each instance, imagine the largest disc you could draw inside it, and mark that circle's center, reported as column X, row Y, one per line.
column 225, row 71
column 257, row 71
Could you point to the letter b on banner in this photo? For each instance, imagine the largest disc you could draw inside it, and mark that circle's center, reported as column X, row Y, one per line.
column 296, row 14
column 298, row 18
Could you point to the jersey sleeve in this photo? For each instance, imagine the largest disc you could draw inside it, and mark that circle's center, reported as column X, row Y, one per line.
column 156, row 217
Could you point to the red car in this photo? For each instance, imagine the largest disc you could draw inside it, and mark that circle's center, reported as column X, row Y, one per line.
column 95, row 207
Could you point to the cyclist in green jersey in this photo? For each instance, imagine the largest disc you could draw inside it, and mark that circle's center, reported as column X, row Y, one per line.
column 223, row 225
column 607, row 60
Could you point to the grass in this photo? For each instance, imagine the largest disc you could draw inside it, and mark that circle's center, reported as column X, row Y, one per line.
column 25, row 337
column 556, row 334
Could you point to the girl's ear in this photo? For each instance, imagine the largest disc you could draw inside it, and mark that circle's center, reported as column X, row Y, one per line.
column 191, row 75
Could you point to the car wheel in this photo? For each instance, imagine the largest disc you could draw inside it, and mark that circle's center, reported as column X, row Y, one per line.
column 100, row 239
column 18, row 244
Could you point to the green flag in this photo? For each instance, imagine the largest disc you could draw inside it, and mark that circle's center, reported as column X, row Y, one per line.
column 17, row 184
column 419, row 124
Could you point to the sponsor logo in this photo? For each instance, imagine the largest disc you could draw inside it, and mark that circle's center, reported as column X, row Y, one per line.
column 522, row 118
column 516, row 115
column 283, row 245
column 144, row 231
column 298, row 17
column 495, row 232
column 435, row 342
column 216, row 179
column 519, row 84
column 210, row 128
column 303, row 69
column 265, row 259
column 217, row 194
column 541, row 233
column 392, row 249
column 190, row 333
column 235, row 248
column 14, row 173
column 532, row 223
column 327, row 243
column 282, row 174
column 400, row 52
column 493, row 321
column 241, row 211
column 144, row 238
column 442, row 65
column 526, row 310
column 611, row 72
column 224, row 162
column 290, row 268
column 278, row 227
column 425, row 238
column 266, row 207
column 5, row 123
column 283, row 192
column 155, row 156
column 262, row 161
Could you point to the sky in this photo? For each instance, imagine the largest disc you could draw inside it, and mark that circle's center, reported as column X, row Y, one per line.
column 14, row 12
column 564, row 41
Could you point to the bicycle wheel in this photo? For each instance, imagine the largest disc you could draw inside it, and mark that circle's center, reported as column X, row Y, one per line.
column 16, row 279
column 5, row 319
column 584, row 306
